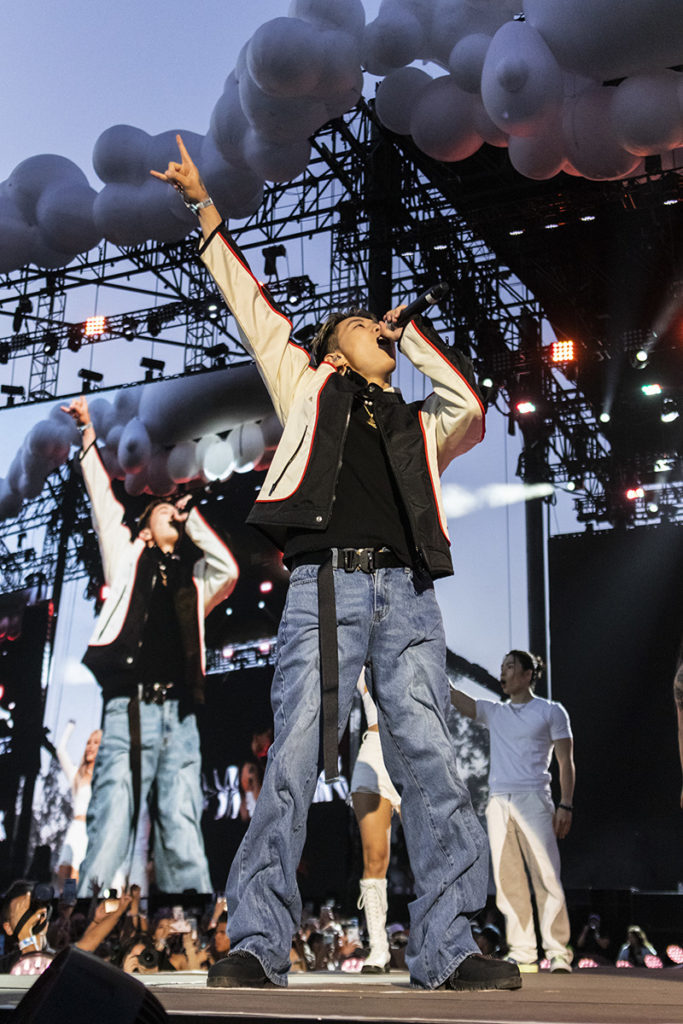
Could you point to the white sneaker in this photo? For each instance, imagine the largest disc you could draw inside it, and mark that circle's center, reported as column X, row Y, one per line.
column 560, row 966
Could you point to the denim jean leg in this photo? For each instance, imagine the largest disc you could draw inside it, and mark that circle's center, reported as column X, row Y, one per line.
column 446, row 844
column 110, row 812
column 264, row 905
column 179, row 856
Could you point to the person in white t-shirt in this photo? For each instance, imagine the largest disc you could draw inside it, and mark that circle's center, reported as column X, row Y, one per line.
column 523, row 823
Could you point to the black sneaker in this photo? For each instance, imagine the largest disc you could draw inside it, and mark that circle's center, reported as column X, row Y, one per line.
column 239, row 970
column 483, row 972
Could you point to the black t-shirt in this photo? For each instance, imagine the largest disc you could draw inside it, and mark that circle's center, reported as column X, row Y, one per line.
column 161, row 657
column 368, row 511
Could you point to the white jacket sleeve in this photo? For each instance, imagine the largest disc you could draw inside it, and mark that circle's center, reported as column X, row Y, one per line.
column 217, row 570
column 107, row 513
column 455, row 409
column 264, row 330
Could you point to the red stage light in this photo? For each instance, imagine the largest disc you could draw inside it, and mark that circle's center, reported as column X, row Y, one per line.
column 266, row 587
column 675, row 954
column 526, row 407
column 624, row 963
column 586, row 962
column 105, row 591
column 635, row 492
column 563, row 351
column 94, row 326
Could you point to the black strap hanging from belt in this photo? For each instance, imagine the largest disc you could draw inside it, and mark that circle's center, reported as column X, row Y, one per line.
column 135, row 756
column 329, row 668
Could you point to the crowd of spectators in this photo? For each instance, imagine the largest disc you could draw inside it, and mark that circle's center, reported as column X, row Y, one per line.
column 117, row 927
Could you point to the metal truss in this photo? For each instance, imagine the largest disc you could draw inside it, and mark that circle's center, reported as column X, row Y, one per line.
column 387, row 225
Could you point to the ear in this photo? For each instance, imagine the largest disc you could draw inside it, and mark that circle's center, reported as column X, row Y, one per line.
column 7, row 927
column 145, row 534
column 339, row 361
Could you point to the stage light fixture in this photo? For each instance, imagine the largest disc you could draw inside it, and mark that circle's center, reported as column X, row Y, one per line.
column 213, row 309
column 50, row 343
column 266, row 586
column 587, row 217
column 515, row 232
column 261, row 605
column 74, row 337
column 670, row 411
column 150, row 365
column 13, row 391
column 571, row 485
column 270, row 255
column 663, row 465
column 24, row 306
column 228, row 611
column 651, row 389
column 154, row 322
column 525, row 408
column 604, row 417
column 652, row 508
column 5, row 352
column 562, row 351
column 129, row 328
column 89, row 378
column 640, row 359
column 218, row 354
column 675, row 953
column 95, row 326
column 633, row 493
column 670, row 202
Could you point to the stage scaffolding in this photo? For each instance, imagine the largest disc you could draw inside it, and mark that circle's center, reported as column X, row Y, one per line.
column 371, row 221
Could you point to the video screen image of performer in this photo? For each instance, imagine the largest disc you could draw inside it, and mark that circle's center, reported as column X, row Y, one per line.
column 678, row 701
column 374, row 799
column 352, row 497
column 147, row 654
column 80, row 782
column 523, row 822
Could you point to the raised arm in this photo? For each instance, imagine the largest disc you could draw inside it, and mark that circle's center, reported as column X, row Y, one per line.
column 467, row 706
column 264, row 330
column 107, row 512
column 67, row 765
column 456, row 404
column 564, row 753
column 218, row 569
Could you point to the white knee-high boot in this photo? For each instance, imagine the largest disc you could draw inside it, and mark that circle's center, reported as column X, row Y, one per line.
column 373, row 901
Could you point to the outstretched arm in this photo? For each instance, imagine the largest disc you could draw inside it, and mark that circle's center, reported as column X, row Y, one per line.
column 264, row 330
column 466, row 705
column 678, row 700
column 186, row 179
column 107, row 512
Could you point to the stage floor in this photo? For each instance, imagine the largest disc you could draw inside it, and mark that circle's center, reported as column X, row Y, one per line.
column 601, row 996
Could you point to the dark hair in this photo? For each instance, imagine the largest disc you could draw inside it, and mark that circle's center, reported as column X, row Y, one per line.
column 529, row 663
column 325, row 337
column 143, row 520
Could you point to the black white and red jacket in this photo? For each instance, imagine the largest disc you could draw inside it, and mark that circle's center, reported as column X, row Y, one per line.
column 314, row 406
column 129, row 574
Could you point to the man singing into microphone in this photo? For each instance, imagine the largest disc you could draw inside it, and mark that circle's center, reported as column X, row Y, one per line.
column 147, row 655
column 353, row 499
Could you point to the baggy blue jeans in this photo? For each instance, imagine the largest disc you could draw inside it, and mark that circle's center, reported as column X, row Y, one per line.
column 388, row 622
column 171, row 762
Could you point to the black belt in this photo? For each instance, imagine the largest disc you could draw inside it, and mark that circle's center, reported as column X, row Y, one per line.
column 350, row 559
column 366, row 560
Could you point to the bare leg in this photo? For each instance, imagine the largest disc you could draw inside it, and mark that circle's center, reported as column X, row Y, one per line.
column 374, row 820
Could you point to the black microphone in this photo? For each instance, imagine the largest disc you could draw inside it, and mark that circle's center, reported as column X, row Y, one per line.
column 433, row 295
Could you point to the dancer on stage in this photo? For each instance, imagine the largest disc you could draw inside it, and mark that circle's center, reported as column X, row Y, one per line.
column 374, row 799
column 147, row 654
column 80, row 783
column 353, row 498
column 523, row 823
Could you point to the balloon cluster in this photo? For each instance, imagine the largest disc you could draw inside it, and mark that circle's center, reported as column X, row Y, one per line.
column 154, row 437
column 535, row 85
column 585, row 88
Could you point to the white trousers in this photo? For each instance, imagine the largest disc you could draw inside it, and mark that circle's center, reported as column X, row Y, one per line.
column 520, row 827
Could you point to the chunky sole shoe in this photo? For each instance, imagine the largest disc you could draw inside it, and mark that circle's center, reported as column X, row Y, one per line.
column 238, row 970
column 374, row 969
column 478, row 973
